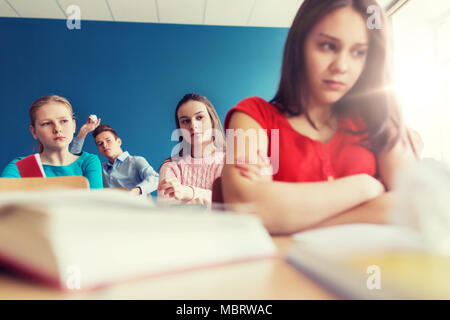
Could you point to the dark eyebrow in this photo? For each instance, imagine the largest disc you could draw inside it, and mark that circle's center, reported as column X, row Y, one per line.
column 337, row 40
column 329, row 37
column 48, row 119
column 194, row 114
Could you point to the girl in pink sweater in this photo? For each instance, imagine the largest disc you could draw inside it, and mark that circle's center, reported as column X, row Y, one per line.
column 189, row 175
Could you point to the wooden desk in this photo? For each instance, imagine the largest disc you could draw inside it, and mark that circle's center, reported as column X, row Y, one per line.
column 263, row 279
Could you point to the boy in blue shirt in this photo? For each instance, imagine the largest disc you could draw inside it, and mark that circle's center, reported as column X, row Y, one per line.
column 122, row 169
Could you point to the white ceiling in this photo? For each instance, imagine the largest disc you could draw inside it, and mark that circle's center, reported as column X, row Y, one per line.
column 258, row 13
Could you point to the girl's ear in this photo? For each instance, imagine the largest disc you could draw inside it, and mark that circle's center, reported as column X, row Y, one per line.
column 33, row 132
column 74, row 126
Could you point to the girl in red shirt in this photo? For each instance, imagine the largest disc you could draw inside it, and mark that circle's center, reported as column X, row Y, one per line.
column 334, row 131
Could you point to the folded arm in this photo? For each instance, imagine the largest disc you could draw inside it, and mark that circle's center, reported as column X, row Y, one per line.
column 391, row 163
column 290, row 207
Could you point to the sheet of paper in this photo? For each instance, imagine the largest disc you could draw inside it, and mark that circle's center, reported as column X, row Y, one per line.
column 342, row 240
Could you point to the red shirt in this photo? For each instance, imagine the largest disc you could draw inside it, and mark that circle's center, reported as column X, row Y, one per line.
column 302, row 159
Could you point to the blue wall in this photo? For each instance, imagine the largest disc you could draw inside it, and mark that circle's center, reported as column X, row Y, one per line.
column 129, row 74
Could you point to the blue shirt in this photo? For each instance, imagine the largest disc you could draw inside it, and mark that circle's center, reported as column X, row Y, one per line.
column 76, row 146
column 87, row 165
column 130, row 172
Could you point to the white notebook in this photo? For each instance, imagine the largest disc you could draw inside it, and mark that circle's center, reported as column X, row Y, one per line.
column 345, row 258
column 349, row 239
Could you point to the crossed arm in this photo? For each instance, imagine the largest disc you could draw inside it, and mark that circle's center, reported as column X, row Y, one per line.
column 291, row 207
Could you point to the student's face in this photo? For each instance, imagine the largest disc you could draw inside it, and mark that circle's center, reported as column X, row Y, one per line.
column 108, row 145
column 54, row 126
column 335, row 55
column 193, row 116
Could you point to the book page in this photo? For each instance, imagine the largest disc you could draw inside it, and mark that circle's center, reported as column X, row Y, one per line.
column 112, row 236
column 343, row 240
column 369, row 261
column 103, row 197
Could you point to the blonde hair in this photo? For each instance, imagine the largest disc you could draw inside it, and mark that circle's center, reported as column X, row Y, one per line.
column 42, row 101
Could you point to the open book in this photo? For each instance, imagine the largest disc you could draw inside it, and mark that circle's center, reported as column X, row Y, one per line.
column 367, row 261
column 31, row 167
column 86, row 239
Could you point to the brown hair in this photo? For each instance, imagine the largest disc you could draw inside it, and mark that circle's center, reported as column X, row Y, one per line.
column 371, row 97
column 215, row 120
column 42, row 101
column 102, row 128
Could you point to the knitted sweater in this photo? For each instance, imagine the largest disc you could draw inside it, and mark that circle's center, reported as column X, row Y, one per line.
column 196, row 173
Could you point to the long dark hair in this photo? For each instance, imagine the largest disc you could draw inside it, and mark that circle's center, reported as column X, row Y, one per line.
column 215, row 120
column 371, row 98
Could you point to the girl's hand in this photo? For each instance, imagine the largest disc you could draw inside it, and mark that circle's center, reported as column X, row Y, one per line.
column 199, row 201
column 136, row 191
column 260, row 171
column 174, row 189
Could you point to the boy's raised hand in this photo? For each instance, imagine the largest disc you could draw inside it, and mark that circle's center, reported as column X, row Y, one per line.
column 89, row 126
